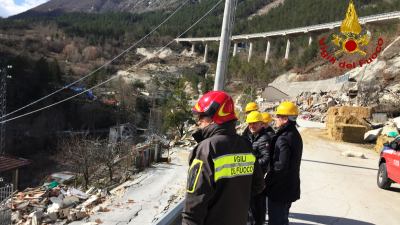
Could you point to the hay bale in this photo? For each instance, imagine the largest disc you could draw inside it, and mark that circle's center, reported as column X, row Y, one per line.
column 354, row 133
column 346, row 123
column 348, row 133
column 359, row 112
column 381, row 141
column 334, row 111
column 331, row 114
column 333, row 121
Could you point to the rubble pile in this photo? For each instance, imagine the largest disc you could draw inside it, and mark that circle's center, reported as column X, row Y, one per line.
column 53, row 203
column 314, row 106
column 351, row 123
column 347, row 123
column 186, row 140
column 382, row 99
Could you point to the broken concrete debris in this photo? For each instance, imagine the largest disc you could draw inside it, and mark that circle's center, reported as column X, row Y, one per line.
column 355, row 124
column 46, row 205
column 315, row 105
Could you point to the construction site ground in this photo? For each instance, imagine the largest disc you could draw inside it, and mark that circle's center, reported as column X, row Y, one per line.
column 341, row 190
column 148, row 197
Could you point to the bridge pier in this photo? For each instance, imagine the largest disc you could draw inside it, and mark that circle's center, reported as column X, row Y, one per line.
column 267, row 52
column 235, row 48
column 250, row 51
column 205, row 53
column 287, row 49
column 310, row 40
column 192, row 50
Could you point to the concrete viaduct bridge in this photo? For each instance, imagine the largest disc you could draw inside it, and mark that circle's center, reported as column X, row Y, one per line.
column 285, row 33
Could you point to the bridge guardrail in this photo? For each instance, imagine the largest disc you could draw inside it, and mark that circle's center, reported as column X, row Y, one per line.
column 324, row 26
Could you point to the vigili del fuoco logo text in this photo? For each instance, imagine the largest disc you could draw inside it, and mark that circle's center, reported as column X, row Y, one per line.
column 351, row 40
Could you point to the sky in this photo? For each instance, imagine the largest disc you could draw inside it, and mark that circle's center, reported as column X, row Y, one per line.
column 12, row 7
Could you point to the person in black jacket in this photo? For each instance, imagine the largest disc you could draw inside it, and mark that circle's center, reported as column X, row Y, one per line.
column 267, row 121
column 283, row 179
column 223, row 172
column 260, row 140
column 250, row 107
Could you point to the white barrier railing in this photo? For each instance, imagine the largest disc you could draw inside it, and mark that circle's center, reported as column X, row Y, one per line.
column 173, row 216
column 325, row 26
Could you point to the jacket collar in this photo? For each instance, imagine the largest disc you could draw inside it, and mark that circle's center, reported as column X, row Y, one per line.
column 260, row 133
column 214, row 129
column 289, row 126
column 269, row 129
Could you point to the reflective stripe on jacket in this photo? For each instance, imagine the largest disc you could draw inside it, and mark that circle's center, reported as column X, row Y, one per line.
column 222, row 175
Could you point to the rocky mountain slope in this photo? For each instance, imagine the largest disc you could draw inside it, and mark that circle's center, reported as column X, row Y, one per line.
column 134, row 6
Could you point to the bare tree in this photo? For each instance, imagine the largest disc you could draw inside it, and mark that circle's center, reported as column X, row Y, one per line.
column 110, row 154
column 81, row 153
column 127, row 95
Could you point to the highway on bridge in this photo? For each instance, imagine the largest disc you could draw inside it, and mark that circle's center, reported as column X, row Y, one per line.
column 299, row 30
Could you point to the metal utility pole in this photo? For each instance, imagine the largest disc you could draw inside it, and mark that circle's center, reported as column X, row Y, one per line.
column 225, row 42
column 3, row 104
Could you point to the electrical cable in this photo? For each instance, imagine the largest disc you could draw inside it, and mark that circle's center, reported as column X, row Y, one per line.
column 113, row 77
column 101, row 67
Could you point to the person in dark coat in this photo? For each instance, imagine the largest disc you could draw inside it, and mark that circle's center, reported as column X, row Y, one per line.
column 283, row 179
column 260, row 141
column 223, row 172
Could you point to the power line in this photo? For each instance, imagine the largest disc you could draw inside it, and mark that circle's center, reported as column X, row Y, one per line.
column 113, row 77
column 101, row 67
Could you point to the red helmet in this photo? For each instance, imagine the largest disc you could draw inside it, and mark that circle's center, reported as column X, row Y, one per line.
column 216, row 104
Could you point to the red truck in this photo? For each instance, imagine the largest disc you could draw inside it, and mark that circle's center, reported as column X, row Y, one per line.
column 389, row 164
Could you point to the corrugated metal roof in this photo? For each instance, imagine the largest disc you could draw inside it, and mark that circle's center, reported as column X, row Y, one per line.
column 9, row 163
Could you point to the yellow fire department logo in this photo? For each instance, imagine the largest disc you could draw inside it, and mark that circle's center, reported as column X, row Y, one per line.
column 352, row 36
column 351, row 40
